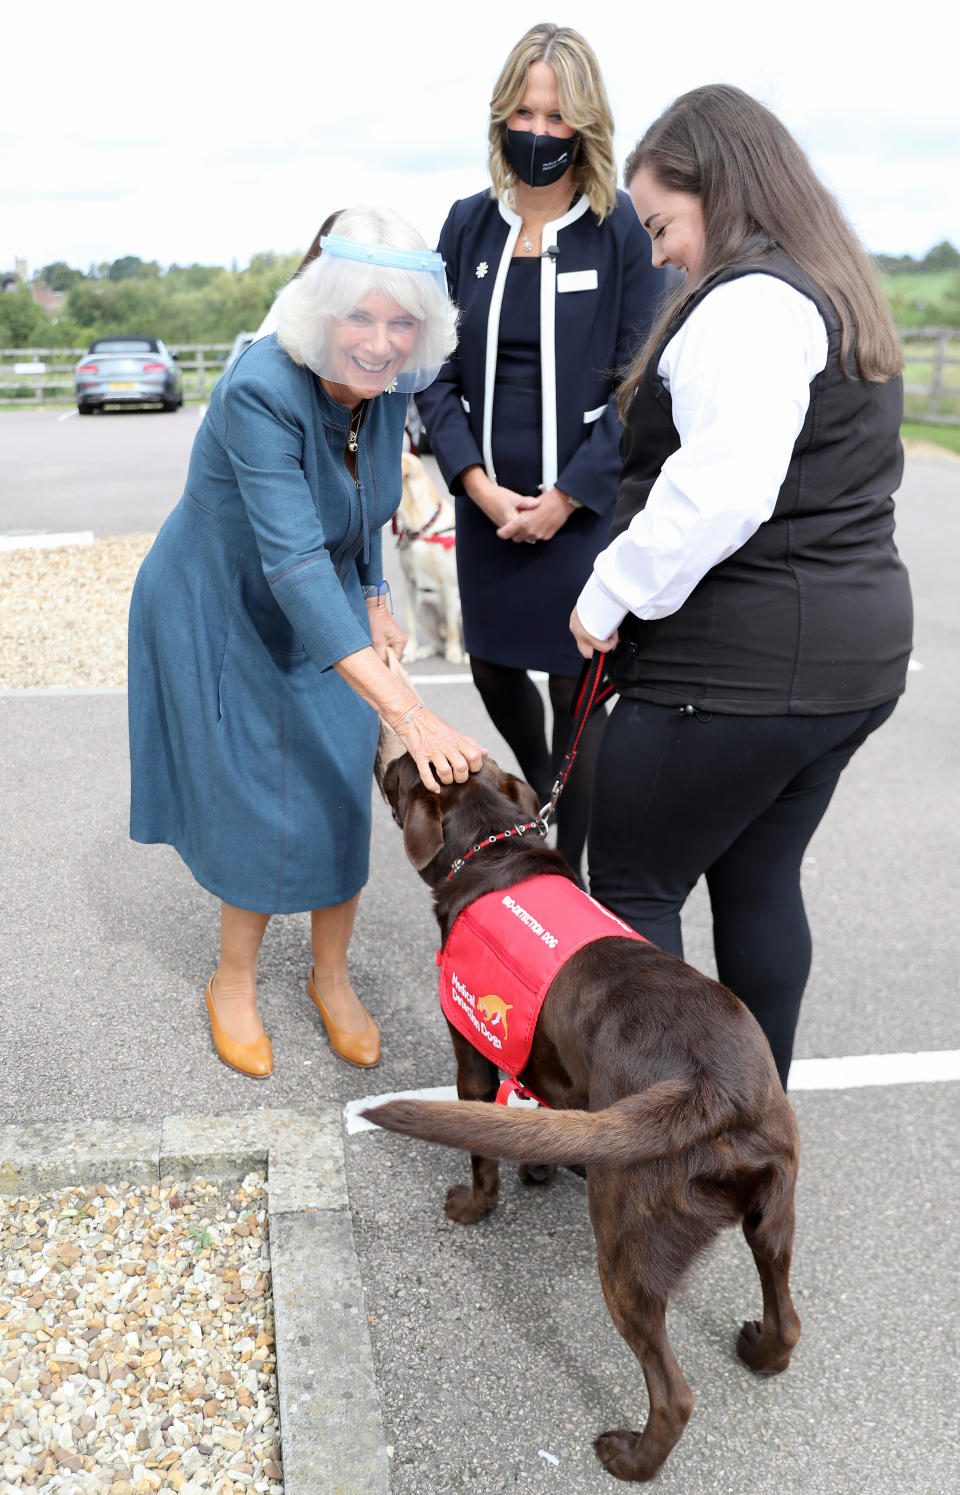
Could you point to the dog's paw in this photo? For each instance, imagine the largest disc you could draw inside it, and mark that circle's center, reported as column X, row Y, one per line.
column 454, row 656
column 536, row 1173
column 765, row 1356
column 463, row 1205
column 620, row 1453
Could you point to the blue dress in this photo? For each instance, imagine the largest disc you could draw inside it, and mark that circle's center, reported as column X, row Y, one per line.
column 529, row 394
column 248, row 753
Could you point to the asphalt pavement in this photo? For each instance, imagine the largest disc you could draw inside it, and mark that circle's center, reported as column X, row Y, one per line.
column 496, row 1362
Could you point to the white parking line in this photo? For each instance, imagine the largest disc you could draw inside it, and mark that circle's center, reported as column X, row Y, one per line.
column 853, row 1072
column 858, row 1070
column 68, row 416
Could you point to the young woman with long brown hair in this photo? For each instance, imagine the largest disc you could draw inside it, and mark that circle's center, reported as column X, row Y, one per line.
column 752, row 602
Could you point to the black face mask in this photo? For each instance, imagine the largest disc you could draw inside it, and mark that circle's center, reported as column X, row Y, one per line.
column 539, row 160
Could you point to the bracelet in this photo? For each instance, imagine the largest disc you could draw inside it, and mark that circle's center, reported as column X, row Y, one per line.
column 404, row 721
column 379, row 589
column 573, row 502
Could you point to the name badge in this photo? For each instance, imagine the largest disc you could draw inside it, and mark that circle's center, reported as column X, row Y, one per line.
column 577, row 280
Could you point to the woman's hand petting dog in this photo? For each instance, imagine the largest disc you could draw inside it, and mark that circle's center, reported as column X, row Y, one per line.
column 437, row 748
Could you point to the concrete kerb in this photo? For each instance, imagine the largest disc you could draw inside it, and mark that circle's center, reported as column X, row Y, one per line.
column 330, row 1423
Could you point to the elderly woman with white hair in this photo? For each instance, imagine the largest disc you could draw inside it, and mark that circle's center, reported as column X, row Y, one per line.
column 259, row 625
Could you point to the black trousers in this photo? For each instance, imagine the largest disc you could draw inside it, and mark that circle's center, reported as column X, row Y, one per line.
column 680, row 794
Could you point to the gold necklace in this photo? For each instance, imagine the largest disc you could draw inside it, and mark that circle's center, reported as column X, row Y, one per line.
column 356, row 421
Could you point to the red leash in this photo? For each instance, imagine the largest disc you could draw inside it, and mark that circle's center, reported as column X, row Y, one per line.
column 592, row 691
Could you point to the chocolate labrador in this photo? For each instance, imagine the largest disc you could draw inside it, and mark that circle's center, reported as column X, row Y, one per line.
column 659, row 1081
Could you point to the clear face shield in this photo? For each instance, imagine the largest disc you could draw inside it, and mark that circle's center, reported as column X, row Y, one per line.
column 387, row 318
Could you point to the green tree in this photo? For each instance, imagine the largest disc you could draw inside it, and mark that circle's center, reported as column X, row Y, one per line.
column 941, row 257
column 59, row 276
column 105, row 306
column 950, row 305
column 131, row 266
column 184, row 304
column 23, row 324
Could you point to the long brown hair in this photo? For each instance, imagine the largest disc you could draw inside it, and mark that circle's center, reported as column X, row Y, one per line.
column 583, row 105
column 314, row 249
column 753, row 180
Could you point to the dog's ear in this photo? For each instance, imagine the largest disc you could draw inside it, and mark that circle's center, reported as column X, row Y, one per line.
column 523, row 796
column 422, row 827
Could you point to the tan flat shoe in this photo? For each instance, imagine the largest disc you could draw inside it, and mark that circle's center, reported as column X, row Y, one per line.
column 252, row 1059
column 362, row 1049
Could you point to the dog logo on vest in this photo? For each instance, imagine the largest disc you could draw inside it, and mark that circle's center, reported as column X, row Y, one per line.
column 495, row 1010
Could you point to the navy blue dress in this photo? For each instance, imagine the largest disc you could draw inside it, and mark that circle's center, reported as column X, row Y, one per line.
column 517, row 598
column 248, row 752
column 500, row 580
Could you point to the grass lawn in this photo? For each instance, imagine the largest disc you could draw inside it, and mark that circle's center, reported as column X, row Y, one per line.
column 948, row 436
column 916, row 300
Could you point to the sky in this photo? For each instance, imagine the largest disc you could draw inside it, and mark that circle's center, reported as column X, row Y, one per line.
column 213, row 132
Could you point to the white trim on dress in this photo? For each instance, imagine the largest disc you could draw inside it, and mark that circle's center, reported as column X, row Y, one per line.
column 548, row 346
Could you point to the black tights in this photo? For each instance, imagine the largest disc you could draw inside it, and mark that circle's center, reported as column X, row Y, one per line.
column 515, row 706
column 682, row 794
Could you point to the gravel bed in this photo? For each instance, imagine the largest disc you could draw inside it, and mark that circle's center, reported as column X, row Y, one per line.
column 63, row 614
column 136, row 1341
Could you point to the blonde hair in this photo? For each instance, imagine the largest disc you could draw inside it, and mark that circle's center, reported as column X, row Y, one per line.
column 583, row 105
column 757, row 188
column 328, row 288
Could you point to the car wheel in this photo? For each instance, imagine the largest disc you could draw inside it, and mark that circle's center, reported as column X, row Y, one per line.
column 172, row 404
column 83, row 408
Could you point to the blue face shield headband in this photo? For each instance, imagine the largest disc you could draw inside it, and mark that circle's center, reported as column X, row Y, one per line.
column 385, row 318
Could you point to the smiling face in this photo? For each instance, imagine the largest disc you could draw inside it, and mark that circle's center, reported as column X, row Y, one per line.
column 369, row 347
column 674, row 221
column 539, row 109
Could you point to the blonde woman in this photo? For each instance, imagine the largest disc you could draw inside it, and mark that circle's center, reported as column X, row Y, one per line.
column 553, row 276
column 259, row 625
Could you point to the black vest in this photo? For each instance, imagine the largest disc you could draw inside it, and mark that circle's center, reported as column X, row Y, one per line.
column 812, row 615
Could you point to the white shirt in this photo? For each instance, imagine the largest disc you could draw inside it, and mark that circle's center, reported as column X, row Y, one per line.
column 739, row 373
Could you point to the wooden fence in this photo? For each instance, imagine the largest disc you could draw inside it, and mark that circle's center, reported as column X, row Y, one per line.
column 31, row 376
column 935, row 397
column 34, row 375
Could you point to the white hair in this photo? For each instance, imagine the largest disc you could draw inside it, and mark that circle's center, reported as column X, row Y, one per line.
column 330, row 287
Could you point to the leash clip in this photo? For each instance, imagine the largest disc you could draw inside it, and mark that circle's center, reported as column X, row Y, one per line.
column 543, row 815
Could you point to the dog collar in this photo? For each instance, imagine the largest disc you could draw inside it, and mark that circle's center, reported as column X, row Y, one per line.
column 538, row 825
column 407, row 536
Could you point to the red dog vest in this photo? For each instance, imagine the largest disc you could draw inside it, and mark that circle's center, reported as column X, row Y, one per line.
column 502, row 954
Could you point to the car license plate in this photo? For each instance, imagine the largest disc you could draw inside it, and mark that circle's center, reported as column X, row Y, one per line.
column 123, row 386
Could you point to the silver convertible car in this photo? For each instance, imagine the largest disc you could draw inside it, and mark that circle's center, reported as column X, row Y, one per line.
column 128, row 371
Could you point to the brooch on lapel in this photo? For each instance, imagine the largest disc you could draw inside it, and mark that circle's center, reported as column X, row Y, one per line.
column 482, row 269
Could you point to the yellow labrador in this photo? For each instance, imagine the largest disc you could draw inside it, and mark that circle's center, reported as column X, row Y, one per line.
column 425, row 526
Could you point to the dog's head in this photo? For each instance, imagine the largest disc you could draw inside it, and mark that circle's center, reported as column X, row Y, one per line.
column 456, row 818
column 419, row 499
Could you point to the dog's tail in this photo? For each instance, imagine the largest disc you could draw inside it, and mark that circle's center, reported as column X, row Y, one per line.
column 670, row 1117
